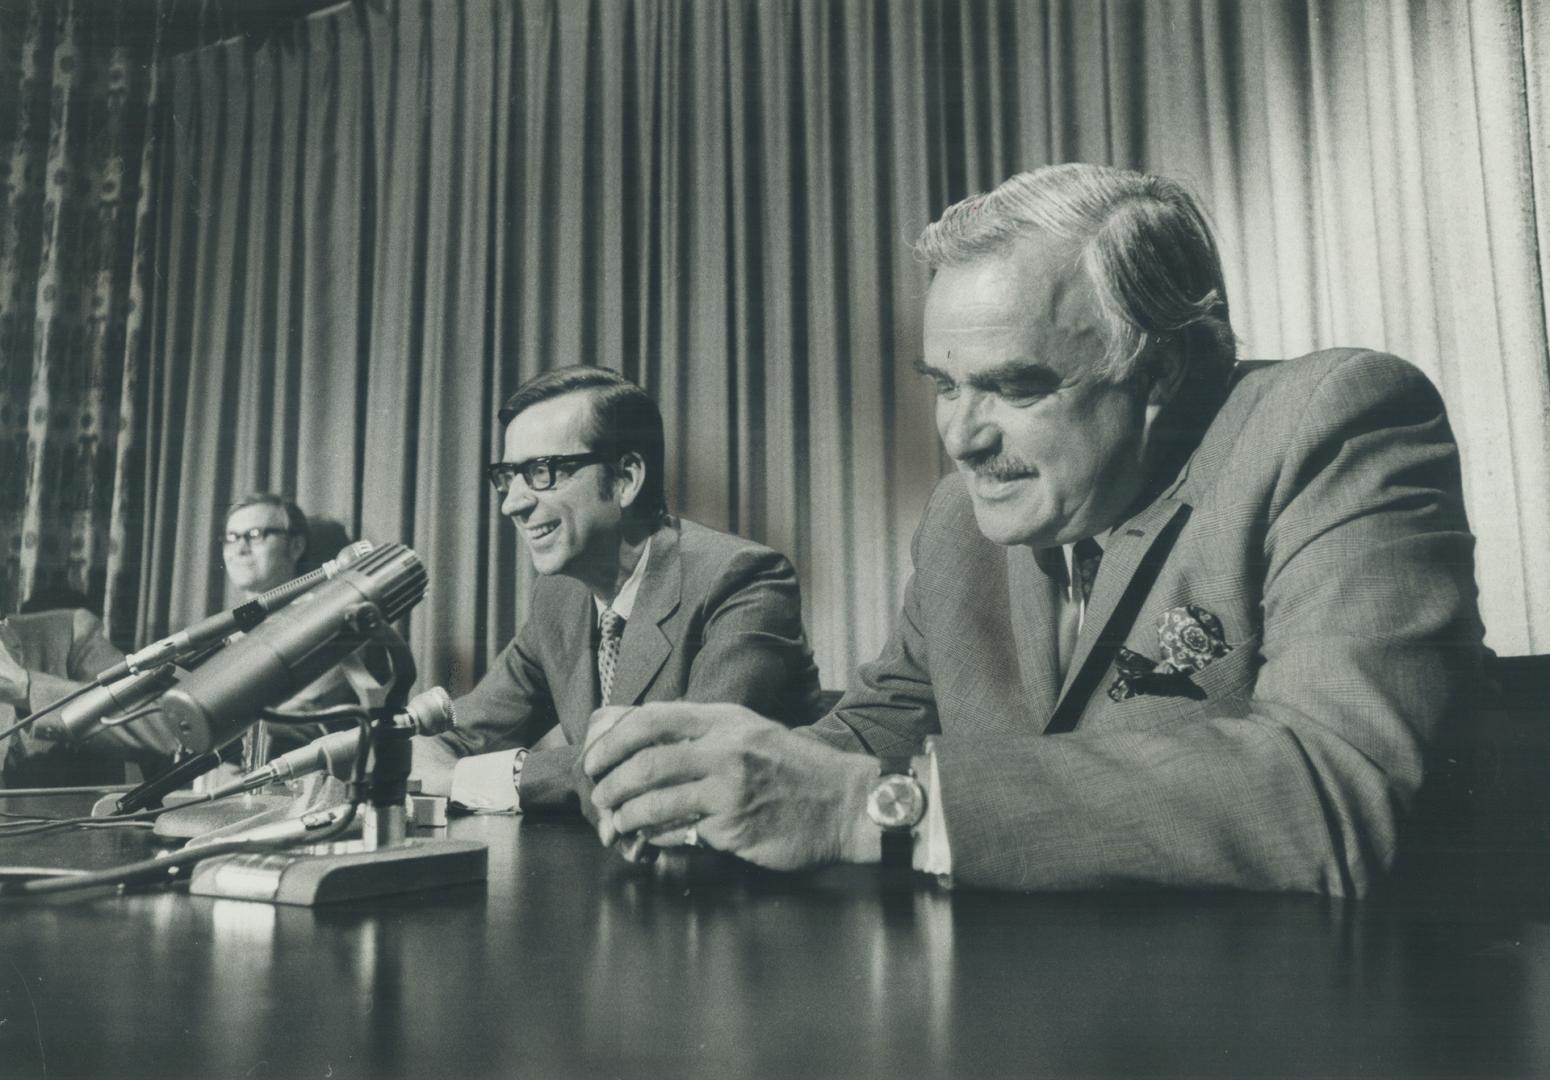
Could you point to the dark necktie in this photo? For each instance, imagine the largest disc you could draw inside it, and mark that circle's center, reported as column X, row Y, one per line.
column 1085, row 557
column 608, row 651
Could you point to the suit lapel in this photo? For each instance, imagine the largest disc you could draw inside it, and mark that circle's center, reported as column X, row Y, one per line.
column 1035, row 594
column 646, row 647
column 577, row 696
column 1131, row 559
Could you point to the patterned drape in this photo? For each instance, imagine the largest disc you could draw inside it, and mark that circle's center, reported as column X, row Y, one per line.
column 76, row 82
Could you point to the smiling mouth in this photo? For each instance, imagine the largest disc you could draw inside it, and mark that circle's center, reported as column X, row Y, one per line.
column 538, row 532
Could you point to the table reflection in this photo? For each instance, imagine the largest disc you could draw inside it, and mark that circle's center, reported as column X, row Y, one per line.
column 570, row 963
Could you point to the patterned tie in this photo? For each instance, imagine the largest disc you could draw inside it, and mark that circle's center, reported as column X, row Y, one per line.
column 608, row 651
column 1085, row 557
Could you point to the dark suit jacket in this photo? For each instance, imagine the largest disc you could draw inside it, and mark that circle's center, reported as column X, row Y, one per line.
column 717, row 618
column 1321, row 521
column 63, row 649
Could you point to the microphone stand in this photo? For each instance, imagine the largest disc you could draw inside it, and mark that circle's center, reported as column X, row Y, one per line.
column 277, row 803
column 385, row 860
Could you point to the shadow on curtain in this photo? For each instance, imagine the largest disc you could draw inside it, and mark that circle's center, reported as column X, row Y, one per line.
column 370, row 231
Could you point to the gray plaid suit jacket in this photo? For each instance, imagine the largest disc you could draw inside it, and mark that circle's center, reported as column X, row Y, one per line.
column 717, row 618
column 1321, row 521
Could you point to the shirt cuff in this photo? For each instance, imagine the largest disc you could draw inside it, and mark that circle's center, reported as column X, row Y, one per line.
column 483, row 781
column 932, row 853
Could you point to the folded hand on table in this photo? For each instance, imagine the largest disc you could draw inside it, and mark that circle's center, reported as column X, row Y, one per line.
column 748, row 785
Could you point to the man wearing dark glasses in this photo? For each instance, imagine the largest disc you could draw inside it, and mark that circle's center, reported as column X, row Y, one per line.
column 264, row 539
column 631, row 605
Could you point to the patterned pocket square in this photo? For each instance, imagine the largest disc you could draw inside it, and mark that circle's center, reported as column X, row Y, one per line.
column 1191, row 637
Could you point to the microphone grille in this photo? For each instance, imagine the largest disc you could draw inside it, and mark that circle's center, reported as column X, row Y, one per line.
column 354, row 553
column 396, row 579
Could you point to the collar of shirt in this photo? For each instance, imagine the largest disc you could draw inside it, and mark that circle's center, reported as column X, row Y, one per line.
column 624, row 603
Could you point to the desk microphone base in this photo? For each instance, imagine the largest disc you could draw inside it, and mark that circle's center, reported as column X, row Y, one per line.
column 216, row 820
column 342, row 871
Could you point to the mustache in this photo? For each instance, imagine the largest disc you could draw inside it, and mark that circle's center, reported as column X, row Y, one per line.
column 1000, row 467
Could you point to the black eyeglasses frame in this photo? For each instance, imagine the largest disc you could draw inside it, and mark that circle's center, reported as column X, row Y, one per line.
column 501, row 474
column 254, row 535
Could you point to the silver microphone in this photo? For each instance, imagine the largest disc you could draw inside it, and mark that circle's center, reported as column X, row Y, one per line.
column 246, row 616
column 432, row 712
column 84, row 715
column 215, row 704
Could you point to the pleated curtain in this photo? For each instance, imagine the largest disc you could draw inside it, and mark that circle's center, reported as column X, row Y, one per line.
column 369, row 230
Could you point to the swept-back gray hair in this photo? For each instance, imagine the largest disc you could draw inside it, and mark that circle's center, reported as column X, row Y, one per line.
column 1142, row 241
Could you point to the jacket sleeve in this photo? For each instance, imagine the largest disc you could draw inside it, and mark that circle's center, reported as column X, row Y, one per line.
column 889, row 707
column 511, row 706
column 753, row 650
column 148, row 740
column 750, row 649
column 1370, row 638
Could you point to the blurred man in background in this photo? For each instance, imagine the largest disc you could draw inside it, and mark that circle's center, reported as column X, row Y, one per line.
column 43, row 657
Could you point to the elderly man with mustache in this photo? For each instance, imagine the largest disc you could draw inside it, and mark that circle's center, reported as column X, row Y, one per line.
column 1175, row 620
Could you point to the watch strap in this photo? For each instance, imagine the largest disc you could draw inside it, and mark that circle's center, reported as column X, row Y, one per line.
column 898, row 844
column 898, row 849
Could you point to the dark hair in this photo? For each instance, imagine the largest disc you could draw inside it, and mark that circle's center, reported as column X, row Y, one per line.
column 295, row 520
column 624, row 420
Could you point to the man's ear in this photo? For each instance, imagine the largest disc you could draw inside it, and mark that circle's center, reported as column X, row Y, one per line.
column 1166, row 371
column 296, row 545
column 629, row 478
column 1165, row 375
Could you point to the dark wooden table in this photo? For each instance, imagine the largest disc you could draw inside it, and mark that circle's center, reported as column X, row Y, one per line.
column 568, row 963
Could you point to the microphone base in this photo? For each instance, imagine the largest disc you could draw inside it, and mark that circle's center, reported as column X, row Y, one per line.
column 236, row 814
column 340, row 872
column 107, row 805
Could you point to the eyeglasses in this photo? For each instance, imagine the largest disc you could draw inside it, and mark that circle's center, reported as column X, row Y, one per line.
column 540, row 473
column 253, row 535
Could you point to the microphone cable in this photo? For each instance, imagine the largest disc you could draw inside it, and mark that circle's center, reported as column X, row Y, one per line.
column 17, row 827
column 31, row 826
column 67, row 880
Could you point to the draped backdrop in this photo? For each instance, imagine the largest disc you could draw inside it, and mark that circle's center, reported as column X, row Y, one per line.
column 78, row 81
column 369, row 229
column 74, row 90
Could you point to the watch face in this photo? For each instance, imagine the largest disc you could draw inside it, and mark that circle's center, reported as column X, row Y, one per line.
column 896, row 802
